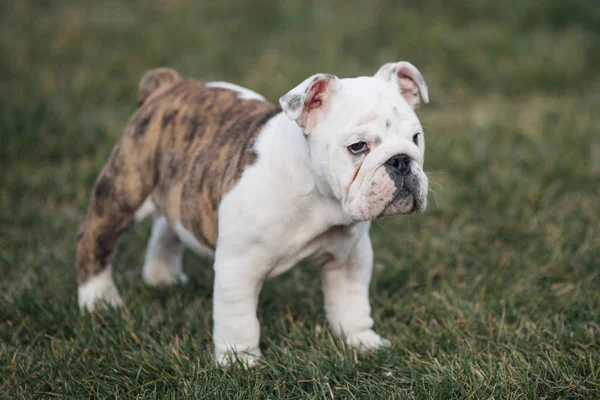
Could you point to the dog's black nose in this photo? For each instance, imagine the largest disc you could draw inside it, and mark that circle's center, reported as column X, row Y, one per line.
column 401, row 163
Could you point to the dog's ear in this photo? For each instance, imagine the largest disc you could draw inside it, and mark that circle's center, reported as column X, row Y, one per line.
column 408, row 79
column 305, row 102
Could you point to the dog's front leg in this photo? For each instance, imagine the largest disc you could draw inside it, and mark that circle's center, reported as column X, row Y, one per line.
column 346, row 291
column 236, row 328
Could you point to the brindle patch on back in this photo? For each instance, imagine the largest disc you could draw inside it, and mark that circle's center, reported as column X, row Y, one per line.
column 206, row 135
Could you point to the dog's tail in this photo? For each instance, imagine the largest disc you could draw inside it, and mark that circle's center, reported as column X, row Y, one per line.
column 155, row 79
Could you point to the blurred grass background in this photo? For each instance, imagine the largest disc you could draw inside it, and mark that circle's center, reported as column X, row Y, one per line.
column 494, row 292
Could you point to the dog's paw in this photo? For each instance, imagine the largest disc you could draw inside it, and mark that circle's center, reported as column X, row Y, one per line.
column 247, row 359
column 367, row 340
column 99, row 291
column 161, row 276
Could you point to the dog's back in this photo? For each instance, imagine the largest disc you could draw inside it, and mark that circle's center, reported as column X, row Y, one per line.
column 188, row 139
column 206, row 133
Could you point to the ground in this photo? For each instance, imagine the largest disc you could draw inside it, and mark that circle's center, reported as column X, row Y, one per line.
column 494, row 292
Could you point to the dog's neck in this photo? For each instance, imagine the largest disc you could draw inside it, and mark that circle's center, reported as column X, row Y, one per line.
column 295, row 146
column 286, row 149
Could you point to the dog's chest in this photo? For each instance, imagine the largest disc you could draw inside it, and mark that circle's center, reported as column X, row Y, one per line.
column 333, row 245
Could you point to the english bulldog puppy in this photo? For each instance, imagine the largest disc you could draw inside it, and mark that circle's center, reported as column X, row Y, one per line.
column 260, row 187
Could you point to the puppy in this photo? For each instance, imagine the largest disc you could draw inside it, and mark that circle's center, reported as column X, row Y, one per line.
column 224, row 172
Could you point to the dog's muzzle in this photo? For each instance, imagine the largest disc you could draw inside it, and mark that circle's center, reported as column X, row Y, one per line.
column 389, row 181
column 408, row 197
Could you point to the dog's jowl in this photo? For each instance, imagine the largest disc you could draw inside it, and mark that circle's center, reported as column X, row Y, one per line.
column 259, row 187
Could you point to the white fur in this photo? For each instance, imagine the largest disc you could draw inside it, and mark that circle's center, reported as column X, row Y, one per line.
column 146, row 209
column 244, row 94
column 162, row 265
column 190, row 241
column 97, row 290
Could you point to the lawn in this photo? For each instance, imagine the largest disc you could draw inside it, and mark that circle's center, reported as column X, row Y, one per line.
column 493, row 292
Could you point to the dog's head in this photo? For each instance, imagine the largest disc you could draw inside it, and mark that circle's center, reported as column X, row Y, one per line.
column 366, row 142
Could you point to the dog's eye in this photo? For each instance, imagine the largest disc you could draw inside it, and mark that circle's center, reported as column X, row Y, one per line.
column 416, row 138
column 358, row 147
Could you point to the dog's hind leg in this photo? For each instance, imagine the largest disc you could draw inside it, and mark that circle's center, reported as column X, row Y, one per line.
column 125, row 182
column 124, row 185
column 162, row 266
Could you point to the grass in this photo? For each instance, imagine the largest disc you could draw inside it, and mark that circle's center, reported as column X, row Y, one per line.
column 494, row 292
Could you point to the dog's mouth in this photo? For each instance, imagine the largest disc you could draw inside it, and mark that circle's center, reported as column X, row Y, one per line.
column 403, row 202
column 406, row 199
column 379, row 193
column 404, row 196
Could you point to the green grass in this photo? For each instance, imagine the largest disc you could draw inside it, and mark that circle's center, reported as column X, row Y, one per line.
column 494, row 292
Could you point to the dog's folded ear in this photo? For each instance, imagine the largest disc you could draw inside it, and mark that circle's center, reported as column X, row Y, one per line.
column 408, row 79
column 305, row 102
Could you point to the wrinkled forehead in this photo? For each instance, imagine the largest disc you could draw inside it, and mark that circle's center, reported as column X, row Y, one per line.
column 368, row 101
